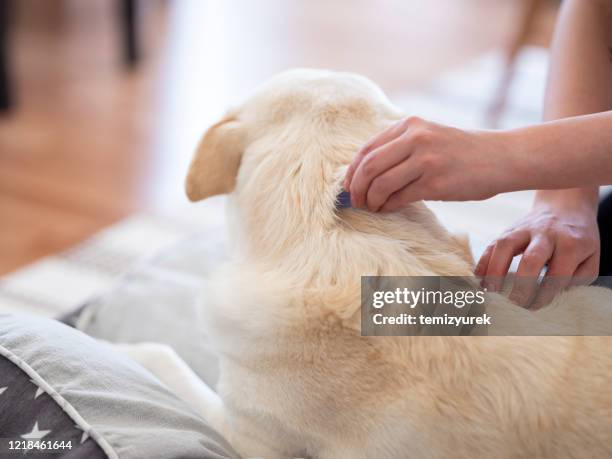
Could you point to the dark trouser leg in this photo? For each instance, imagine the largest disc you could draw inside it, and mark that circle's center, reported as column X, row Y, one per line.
column 604, row 220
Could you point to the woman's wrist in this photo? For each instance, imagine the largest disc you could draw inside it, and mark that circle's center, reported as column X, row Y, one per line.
column 582, row 200
column 522, row 162
column 516, row 167
column 568, row 153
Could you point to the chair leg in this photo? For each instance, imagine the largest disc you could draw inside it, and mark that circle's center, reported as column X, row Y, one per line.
column 5, row 93
column 129, row 28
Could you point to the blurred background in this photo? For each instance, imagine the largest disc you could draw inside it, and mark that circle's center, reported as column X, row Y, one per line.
column 103, row 101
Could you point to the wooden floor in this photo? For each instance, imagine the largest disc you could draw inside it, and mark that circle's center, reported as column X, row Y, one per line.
column 90, row 142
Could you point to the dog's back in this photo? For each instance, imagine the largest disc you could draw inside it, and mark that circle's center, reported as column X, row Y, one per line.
column 297, row 377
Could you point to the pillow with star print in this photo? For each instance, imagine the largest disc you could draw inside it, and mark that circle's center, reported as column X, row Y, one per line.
column 66, row 395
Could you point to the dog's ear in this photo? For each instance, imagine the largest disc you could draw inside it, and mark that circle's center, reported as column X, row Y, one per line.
column 215, row 164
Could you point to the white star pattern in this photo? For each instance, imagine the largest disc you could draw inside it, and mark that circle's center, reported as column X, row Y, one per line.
column 38, row 432
column 85, row 435
column 35, row 434
column 39, row 390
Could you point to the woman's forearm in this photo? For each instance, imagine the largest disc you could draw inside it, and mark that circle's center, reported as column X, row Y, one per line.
column 566, row 158
column 580, row 77
column 568, row 153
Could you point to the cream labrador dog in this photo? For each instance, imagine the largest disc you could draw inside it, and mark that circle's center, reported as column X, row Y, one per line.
column 297, row 378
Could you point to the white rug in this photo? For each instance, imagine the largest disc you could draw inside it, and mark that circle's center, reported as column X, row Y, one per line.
column 59, row 283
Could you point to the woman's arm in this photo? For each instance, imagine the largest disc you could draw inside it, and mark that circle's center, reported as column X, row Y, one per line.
column 415, row 160
column 561, row 229
column 570, row 152
column 580, row 74
column 419, row 160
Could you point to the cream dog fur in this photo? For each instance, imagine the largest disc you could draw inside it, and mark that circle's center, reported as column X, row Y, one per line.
column 297, row 378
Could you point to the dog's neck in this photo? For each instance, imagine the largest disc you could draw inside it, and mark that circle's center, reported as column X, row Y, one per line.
column 334, row 246
column 284, row 207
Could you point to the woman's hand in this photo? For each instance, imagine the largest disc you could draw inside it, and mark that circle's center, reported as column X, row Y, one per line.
column 559, row 233
column 415, row 159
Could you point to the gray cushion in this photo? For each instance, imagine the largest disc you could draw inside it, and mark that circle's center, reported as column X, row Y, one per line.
column 161, row 301
column 115, row 401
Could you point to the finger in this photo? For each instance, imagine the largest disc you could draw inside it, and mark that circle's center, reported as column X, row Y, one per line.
column 481, row 267
column 549, row 289
column 535, row 257
column 561, row 269
column 374, row 164
column 346, row 184
column 587, row 272
column 393, row 131
column 387, row 183
column 503, row 252
column 404, row 196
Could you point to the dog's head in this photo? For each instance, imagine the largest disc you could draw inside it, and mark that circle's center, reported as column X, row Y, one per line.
column 282, row 156
column 299, row 118
column 294, row 116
